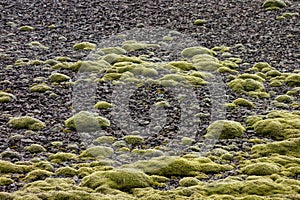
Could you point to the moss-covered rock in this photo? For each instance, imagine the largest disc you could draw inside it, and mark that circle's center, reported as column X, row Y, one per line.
column 225, row 129
column 226, row 70
column 274, row 3
column 192, row 51
column 39, row 88
column 199, row 22
column 243, row 102
column 35, row 148
column 116, row 50
column 27, row 122
column 134, row 139
column 62, row 157
column 285, row 147
column 58, row 77
column 133, row 45
column 261, row 169
column 98, row 152
column 105, row 140
column 66, row 171
column 37, row 174
column 26, row 28
column 86, row 121
column 183, row 65
column 121, row 179
column 284, row 98
column 84, row 46
column 188, row 181
column 245, row 85
column 5, row 181
column 6, row 97
column 293, row 80
column 269, row 127
column 103, row 105
column 261, row 66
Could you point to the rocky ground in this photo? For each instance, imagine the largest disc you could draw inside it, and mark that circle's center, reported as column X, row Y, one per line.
column 150, row 100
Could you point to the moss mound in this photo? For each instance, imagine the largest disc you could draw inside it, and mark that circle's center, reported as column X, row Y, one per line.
column 39, row 88
column 86, row 121
column 84, row 46
column 274, row 3
column 224, row 129
column 245, row 85
column 192, row 51
column 6, row 97
column 293, row 80
column 122, row 179
column 243, row 102
column 261, row 168
column 97, row 151
column 58, row 77
column 35, row 148
column 27, row 122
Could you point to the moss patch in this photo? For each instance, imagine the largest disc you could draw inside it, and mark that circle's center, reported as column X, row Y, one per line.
column 225, row 129
column 245, row 85
column 84, row 46
column 58, row 77
column 37, row 174
column 40, row 88
column 103, row 105
column 122, row 179
column 192, row 51
column 293, row 80
column 35, row 148
column 98, row 152
column 243, row 102
column 27, row 122
column 274, row 3
column 62, row 157
column 6, row 97
column 261, row 169
column 86, row 121
column 134, row 45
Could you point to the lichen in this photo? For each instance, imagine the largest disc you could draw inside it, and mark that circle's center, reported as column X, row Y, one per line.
column 225, row 129
column 27, row 122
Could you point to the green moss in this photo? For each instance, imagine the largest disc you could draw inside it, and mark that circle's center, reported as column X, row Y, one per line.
column 293, row 80
column 276, row 83
column 284, row 98
column 111, row 76
column 262, row 186
column 251, row 76
column 261, row 66
column 45, row 165
column 204, row 58
column 225, row 129
column 188, row 181
column 226, row 70
column 122, row 179
column 245, row 85
column 58, row 77
column 40, row 88
column 37, row 44
column 27, row 122
column 5, row 181
column 192, row 51
column 62, row 157
column 273, row 73
column 199, row 22
column 144, row 71
column 207, row 66
column 289, row 147
column 167, row 38
column 183, row 65
column 84, row 46
column 149, row 153
column 6, row 196
column 103, row 105
column 293, row 92
column 26, row 28
column 261, row 169
column 251, row 120
column 269, row 127
column 260, row 95
column 134, row 45
column 66, row 171
column 6, row 97
column 116, row 50
column 243, row 102
column 221, row 48
column 274, row 3
column 134, row 139
column 98, row 152
column 37, row 174
column 86, row 121
column 105, row 140
column 35, row 148
column 196, row 81
column 187, row 141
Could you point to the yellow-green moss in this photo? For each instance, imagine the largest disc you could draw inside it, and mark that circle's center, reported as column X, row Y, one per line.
column 274, row 3
column 225, row 129
column 26, row 28
column 103, row 105
column 261, row 169
column 207, row 66
column 243, row 102
column 27, row 122
column 86, row 121
column 293, row 80
column 188, row 181
column 245, row 85
column 5, row 181
column 192, row 51
column 40, row 88
column 116, row 50
column 66, row 171
column 227, row 70
column 58, row 77
column 259, row 95
column 105, row 140
column 221, row 48
column 62, row 157
column 6, row 97
column 133, row 45
column 97, row 152
column 251, row 120
column 122, row 179
column 84, row 46
column 261, row 66
column 37, row 174
column 183, row 65
column 284, row 98
column 35, row 148
column 269, row 127
column 134, row 139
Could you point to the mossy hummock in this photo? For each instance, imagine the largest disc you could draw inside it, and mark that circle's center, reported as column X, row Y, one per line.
column 27, row 122
column 224, row 129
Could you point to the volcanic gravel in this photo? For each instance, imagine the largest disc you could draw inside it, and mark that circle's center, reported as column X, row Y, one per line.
column 229, row 23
